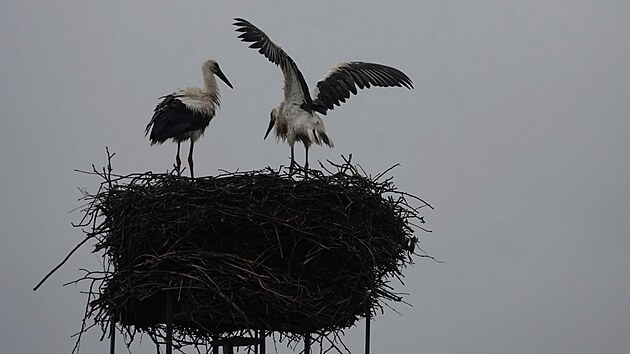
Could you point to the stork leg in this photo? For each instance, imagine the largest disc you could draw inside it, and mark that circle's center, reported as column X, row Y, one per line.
column 190, row 158
column 178, row 162
column 292, row 165
column 306, row 161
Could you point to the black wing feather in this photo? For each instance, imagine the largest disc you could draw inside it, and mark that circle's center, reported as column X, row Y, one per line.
column 273, row 52
column 350, row 84
column 172, row 118
column 337, row 86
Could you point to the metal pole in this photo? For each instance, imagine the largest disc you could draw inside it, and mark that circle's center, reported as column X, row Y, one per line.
column 263, row 336
column 257, row 341
column 112, row 336
column 307, row 344
column 367, row 331
column 169, row 324
column 215, row 347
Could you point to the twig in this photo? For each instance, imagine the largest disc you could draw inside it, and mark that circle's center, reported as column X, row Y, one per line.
column 62, row 262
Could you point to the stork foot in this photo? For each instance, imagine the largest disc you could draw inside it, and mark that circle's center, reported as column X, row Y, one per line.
column 291, row 168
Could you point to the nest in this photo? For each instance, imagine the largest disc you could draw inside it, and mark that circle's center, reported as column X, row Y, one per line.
column 243, row 251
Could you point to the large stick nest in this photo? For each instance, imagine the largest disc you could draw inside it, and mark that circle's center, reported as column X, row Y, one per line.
column 248, row 250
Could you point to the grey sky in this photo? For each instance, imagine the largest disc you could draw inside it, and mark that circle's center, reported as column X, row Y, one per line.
column 517, row 132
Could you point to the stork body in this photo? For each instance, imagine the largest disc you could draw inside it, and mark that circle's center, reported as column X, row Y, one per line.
column 296, row 118
column 186, row 113
column 292, row 123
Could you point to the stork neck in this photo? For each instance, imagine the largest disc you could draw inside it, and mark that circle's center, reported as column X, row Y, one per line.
column 211, row 86
column 210, row 82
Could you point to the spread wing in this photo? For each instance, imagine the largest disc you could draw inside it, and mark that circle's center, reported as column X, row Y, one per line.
column 295, row 88
column 344, row 78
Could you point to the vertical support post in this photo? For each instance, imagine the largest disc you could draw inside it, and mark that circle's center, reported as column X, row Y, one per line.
column 215, row 347
column 263, row 337
column 112, row 336
column 257, row 341
column 169, row 323
column 367, row 330
column 307, row 344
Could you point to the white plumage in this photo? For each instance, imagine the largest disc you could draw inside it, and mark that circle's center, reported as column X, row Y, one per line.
column 186, row 113
column 295, row 119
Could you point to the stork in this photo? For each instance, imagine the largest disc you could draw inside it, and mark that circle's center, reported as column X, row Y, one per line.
column 296, row 118
column 186, row 113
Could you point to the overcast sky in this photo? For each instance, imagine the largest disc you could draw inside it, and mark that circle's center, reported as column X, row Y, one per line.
column 517, row 132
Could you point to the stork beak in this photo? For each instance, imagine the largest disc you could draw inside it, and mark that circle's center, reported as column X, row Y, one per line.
column 271, row 123
column 221, row 76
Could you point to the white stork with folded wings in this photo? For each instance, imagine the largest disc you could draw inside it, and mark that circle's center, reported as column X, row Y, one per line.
column 295, row 119
column 186, row 113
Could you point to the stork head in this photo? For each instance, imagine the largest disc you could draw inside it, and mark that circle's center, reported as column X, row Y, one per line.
column 212, row 67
